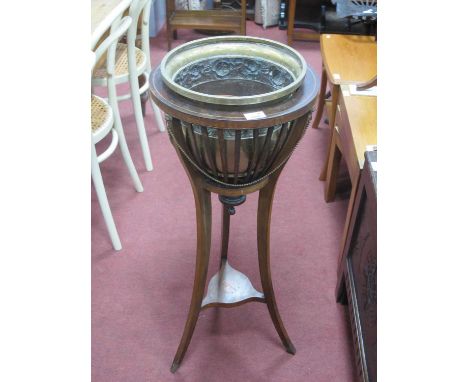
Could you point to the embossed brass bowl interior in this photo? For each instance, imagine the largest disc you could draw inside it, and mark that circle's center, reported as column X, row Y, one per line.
column 233, row 70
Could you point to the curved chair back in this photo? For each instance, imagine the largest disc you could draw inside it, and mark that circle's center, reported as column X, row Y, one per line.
column 139, row 12
column 109, row 45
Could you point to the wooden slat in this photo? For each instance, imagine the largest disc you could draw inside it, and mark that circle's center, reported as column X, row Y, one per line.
column 263, row 156
column 187, row 141
column 189, row 136
column 176, row 130
column 294, row 135
column 210, row 152
column 254, row 156
column 223, row 153
column 279, row 144
column 237, row 146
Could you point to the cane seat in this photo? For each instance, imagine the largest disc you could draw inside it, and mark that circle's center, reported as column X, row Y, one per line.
column 101, row 113
column 121, row 62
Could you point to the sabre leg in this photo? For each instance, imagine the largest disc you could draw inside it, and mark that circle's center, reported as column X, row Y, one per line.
column 265, row 202
column 203, row 211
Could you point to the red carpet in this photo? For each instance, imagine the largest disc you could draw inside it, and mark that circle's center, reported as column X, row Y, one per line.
column 141, row 294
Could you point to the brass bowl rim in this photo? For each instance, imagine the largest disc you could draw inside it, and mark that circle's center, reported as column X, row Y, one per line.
column 234, row 100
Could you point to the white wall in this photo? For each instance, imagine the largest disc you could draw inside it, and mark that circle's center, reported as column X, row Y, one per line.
column 157, row 17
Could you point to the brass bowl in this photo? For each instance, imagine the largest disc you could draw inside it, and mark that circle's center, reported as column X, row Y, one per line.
column 233, row 70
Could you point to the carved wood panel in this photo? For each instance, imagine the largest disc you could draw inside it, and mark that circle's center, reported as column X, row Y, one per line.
column 361, row 278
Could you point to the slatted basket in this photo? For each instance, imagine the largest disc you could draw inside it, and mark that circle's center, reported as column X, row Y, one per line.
column 232, row 76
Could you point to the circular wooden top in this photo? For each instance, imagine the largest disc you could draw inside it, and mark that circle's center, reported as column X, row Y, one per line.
column 228, row 117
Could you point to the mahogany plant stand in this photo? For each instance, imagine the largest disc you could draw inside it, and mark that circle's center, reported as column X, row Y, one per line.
column 225, row 153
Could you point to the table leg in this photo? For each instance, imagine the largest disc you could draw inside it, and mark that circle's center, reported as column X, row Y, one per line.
column 291, row 16
column 340, row 292
column 334, row 100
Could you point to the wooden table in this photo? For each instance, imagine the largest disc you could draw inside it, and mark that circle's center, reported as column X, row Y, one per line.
column 346, row 59
column 103, row 13
column 354, row 129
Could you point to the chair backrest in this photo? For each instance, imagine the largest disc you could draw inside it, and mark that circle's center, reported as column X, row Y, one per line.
column 139, row 12
column 109, row 45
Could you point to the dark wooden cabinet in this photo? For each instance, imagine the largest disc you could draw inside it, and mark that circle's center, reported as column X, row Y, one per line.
column 358, row 272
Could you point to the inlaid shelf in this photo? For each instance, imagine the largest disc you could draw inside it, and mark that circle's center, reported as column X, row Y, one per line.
column 229, row 288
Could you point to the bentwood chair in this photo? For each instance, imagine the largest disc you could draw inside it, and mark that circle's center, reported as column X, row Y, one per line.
column 131, row 64
column 105, row 119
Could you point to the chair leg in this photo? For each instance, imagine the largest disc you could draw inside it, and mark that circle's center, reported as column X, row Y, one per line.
column 321, row 99
column 102, row 198
column 143, row 96
column 158, row 116
column 127, row 157
column 146, row 48
column 135, row 90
